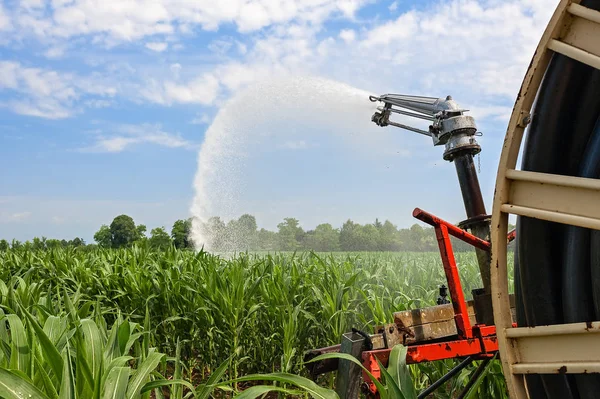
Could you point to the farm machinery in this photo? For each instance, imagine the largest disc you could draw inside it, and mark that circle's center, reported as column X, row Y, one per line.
column 546, row 334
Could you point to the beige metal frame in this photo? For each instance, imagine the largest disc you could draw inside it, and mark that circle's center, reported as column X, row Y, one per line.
column 574, row 31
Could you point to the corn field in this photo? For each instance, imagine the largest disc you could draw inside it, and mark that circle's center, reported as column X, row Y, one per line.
column 142, row 323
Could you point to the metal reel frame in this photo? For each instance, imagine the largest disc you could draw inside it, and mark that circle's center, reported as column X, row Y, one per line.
column 573, row 31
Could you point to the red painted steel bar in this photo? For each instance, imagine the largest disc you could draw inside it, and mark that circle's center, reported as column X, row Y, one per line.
column 511, row 235
column 430, row 352
column 461, row 314
column 457, row 232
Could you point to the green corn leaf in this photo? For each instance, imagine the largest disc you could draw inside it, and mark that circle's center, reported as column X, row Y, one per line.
column 54, row 328
column 84, row 381
column 473, row 391
column 215, row 377
column 92, row 344
column 133, row 338
column 346, row 356
column 15, row 387
column 52, row 356
column 177, row 391
column 392, row 390
column 399, row 371
column 69, row 307
column 67, row 386
column 123, row 333
column 259, row 390
column 48, row 384
column 309, row 386
column 111, row 347
column 98, row 379
column 163, row 383
column 120, row 361
column 116, row 383
column 142, row 373
column 20, row 356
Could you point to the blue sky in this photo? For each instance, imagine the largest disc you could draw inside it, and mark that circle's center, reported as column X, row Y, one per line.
column 104, row 104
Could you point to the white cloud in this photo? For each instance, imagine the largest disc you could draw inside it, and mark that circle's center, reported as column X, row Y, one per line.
column 468, row 48
column 5, row 23
column 114, row 21
column 402, row 28
column 14, row 217
column 46, row 93
column 175, row 69
column 55, row 52
column 393, row 7
column 203, row 119
column 125, row 136
column 201, row 90
column 348, row 35
column 157, row 46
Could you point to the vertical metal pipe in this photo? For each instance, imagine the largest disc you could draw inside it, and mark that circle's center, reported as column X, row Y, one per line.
column 469, row 185
column 474, row 206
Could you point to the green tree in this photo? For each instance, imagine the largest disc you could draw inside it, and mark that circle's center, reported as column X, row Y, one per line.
column 324, row 238
column 267, row 240
column 246, row 230
column 140, row 230
column 77, row 242
column 216, row 232
column 368, row 238
column 290, row 234
column 159, row 238
column 123, row 231
column 181, row 233
column 388, row 237
column 4, row 245
column 103, row 237
column 349, row 236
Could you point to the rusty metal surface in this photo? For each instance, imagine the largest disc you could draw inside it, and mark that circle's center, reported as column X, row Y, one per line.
column 348, row 381
column 484, row 314
column 415, row 317
column 431, row 331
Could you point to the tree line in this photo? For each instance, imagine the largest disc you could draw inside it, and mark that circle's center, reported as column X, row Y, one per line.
column 122, row 232
column 243, row 234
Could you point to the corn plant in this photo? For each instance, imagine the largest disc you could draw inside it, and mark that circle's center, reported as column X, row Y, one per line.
column 48, row 356
column 258, row 312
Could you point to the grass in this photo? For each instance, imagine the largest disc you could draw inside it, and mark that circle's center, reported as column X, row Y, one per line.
column 258, row 313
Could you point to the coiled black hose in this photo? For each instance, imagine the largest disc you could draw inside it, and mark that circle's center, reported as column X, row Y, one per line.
column 556, row 262
column 534, row 383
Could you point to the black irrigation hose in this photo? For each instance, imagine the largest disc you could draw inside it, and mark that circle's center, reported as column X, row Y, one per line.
column 591, row 168
column 558, row 268
column 540, row 242
column 533, row 381
column 578, row 302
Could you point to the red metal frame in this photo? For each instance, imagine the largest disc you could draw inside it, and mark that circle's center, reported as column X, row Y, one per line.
column 478, row 341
